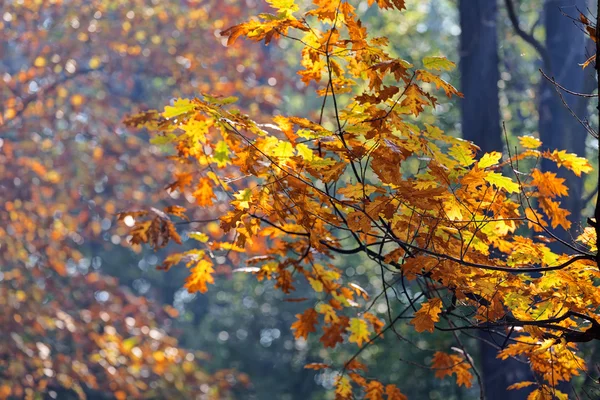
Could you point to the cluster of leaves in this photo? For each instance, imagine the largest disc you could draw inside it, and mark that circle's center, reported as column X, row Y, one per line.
column 440, row 223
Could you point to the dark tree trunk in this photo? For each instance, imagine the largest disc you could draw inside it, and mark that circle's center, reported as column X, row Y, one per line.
column 479, row 74
column 558, row 128
column 481, row 124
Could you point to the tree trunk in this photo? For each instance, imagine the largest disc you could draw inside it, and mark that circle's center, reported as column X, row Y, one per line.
column 481, row 124
column 479, row 74
column 558, row 128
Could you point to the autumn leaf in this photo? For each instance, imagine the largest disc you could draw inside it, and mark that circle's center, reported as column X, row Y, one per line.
column 520, row 385
column 316, row 366
column 393, row 393
column 359, row 331
column 179, row 107
column 547, row 393
column 548, row 184
column 343, row 388
column 571, row 161
column 445, row 364
column 284, row 5
column 384, row 4
column 530, row 142
column 414, row 99
column 200, row 276
column 502, row 182
column 204, row 192
column 426, row 76
column 438, row 63
column 428, row 315
column 332, row 333
column 374, row 390
column 489, row 159
column 182, row 181
column 358, row 191
column 305, row 324
column 329, row 313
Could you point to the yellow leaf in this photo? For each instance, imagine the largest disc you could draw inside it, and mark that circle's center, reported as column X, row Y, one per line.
column 462, row 153
column 196, row 130
column 426, row 76
column 343, row 388
column 180, row 106
column 359, row 331
column 546, row 344
column 570, row 161
column 502, row 182
column 316, row 284
column 284, row 5
column 283, row 149
column 530, row 142
column 588, row 237
column 199, row 236
column 489, row 159
column 547, row 393
column 452, row 208
column 305, row 152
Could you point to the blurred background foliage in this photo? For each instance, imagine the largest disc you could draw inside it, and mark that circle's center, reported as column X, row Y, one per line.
column 71, row 287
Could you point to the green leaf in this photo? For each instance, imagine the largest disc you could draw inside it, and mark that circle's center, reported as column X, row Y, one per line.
column 181, row 106
column 462, row 153
column 502, row 182
column 221, row 155
column 438, row 63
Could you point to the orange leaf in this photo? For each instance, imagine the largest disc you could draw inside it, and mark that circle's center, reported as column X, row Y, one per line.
column 204, row 192
column 199, row 276
column 428, row 315
column 305, row 324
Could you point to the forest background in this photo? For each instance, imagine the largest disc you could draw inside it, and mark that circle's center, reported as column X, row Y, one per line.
column 71, row 71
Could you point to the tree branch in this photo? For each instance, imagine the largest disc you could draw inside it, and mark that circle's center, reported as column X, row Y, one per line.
column 512, row 15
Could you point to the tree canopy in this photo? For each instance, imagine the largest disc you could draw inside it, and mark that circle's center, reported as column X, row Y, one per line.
column 462, row 241
column 366, row 175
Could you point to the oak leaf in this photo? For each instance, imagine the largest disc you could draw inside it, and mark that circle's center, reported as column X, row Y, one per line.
column 305, row 323
column 428, row 315
column 359, row 331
